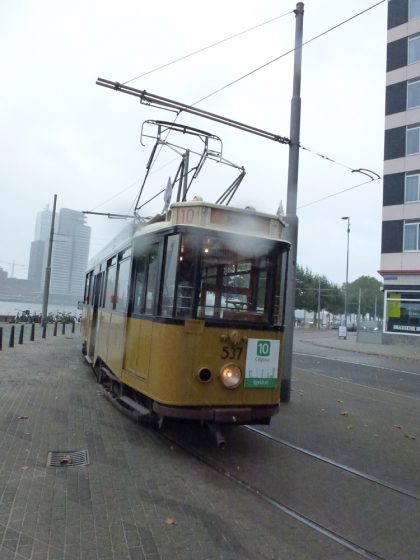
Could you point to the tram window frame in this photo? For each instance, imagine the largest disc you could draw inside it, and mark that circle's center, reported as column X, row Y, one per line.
column 186, row 284
column 110, row 283
column 152, row 280
column 139, row 271
column 88, row 288
column 170, row 275
column 231, row 268
column 123, row 281
column 279, row 289
column 144, row 306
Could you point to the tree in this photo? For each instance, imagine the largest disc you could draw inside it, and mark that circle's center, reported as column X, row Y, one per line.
column 371, row 296
column 313, row 290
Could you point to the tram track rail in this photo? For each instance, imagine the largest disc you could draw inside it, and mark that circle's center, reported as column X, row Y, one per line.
column 290, row 512
column 276, row 504
column 250, row 464
column 344, row 468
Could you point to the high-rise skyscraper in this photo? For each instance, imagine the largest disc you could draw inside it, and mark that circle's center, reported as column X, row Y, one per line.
column 70, row 253
column 39, row 248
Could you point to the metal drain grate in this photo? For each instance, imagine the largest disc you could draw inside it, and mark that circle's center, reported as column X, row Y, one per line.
column 68, row 458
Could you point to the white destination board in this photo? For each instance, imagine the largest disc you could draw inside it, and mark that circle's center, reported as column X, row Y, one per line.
column 262, row 362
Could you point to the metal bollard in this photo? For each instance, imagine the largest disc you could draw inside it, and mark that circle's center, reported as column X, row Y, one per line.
column 1, row 338
column 44, row 330
column 12, row 337
column 63, row 328
column 32, row 332
column 20, row 341
column 73, row 326
column 55, row 329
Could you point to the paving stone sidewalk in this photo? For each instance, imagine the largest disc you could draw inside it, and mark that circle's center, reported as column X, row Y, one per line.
column 139, row 498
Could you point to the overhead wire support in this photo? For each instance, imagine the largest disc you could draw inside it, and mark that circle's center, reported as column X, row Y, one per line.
column 171, row 105
column 109, row 215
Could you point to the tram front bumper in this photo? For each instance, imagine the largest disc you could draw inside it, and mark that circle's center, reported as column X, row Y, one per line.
column 226, row 415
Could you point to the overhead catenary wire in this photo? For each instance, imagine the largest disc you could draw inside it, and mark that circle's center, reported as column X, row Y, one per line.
column 162, row 66
column 291, row 51
column 371, row 174
column 125, row 189
column 198, row 51
column 338, row 192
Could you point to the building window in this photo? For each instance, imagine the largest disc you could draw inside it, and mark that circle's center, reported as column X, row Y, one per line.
column 412, row 191
column 403, row 312
column 412, row 236
column 413, row 49
column 413, row 9
column 413, row 140
column 413, row 94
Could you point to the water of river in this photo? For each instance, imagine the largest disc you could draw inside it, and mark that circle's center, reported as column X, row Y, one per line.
column 14, row 307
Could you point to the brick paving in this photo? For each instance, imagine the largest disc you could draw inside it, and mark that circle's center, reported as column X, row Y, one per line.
column 139, row 498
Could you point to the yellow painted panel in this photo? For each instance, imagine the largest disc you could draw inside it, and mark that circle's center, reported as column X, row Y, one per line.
column 162, row 361
column 143, row 349
column 131, row 344
column 101, row 346
column 116, row 343
column 176, row 358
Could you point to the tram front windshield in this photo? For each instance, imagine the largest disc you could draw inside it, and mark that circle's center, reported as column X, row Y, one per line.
column 233, row 278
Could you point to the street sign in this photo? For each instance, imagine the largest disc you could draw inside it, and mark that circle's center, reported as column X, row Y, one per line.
column 342, row 332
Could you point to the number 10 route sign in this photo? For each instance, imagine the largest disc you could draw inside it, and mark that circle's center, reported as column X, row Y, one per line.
column 262, row 362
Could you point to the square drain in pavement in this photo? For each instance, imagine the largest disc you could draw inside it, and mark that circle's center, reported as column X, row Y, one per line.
column 68, row 458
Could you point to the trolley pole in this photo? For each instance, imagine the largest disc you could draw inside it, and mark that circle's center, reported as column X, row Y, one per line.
column 291, row 218
column 48, row 268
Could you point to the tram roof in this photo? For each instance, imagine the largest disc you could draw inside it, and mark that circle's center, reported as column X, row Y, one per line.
column 197, row 213
column 217, row 217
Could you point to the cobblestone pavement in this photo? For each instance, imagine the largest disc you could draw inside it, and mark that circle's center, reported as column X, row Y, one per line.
column 139, row 498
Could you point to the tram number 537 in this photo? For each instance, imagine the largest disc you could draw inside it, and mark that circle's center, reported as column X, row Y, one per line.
column 231, row 353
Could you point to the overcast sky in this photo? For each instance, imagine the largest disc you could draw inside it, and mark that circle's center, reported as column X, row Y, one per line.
column 62, row 134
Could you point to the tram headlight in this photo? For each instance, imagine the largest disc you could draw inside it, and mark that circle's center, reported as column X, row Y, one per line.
column 231, row 376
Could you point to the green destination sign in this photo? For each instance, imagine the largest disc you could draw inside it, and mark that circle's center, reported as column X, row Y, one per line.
column 262, row 359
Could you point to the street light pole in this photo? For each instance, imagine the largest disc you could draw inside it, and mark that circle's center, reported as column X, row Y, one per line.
column 48, row 268
column 346, row 293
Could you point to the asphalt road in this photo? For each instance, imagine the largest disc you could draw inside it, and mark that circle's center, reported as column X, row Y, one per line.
column 343, row 454
column 361, row 411
column 345, row 450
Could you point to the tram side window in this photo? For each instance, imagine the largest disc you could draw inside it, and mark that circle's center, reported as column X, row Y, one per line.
column 169, row 280
column 89, row 288
column 111, row 277
column 139, row 284
column 185, row 286
column 121, row 299
column 146, row 281
column 280, row 288
column 152, row 277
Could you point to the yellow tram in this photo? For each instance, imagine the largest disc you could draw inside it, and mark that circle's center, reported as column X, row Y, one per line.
column 184, row 315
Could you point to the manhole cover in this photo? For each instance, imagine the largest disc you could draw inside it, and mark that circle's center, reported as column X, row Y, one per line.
column 68, row 458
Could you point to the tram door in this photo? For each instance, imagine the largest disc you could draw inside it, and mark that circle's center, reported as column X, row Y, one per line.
column 97, row 290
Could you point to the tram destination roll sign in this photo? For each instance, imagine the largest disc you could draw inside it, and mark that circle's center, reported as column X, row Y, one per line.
column 262, row 359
